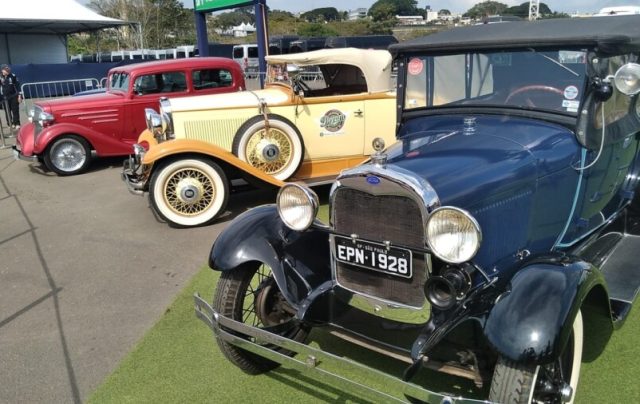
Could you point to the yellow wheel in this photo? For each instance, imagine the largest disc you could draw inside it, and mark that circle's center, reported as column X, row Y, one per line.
column 277, row 151
column 189, row 192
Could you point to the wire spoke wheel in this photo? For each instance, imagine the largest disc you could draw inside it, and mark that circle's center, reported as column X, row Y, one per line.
column 269, row 152
column 68, row 155
column 188, row 192
column 273, row 146
column 251, row 295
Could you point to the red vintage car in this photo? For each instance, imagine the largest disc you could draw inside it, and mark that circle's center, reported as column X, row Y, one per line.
column 67, row 133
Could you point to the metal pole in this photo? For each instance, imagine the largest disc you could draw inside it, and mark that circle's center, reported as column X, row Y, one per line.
column 201, row 33
column 4, row 144
column 262, row 36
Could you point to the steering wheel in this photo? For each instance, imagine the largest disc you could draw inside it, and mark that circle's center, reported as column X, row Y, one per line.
column 299, row 84
column 534, row 87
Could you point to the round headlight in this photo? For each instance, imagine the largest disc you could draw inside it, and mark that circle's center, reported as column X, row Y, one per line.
column 453, row 235
column 154, row 122
column 297, row 206
column 627, row 79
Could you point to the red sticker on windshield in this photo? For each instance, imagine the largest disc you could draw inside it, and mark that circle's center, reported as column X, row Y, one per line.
column 415, row 66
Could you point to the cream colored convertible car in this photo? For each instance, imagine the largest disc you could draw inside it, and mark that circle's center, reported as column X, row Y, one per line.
column 317, row 115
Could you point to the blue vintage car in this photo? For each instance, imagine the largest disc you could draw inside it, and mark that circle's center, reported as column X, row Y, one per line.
column 504, row 213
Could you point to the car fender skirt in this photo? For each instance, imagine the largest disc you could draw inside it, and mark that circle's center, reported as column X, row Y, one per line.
column 532, row 320
column 299, row 260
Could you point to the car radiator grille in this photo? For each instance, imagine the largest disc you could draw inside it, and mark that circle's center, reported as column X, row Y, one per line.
column 381, row 218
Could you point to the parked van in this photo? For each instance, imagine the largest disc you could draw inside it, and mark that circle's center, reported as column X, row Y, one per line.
column 246, row 55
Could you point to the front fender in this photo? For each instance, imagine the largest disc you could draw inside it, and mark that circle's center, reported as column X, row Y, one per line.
column 162, row 150
column 101, row 143
column 532, row 320
column 299, row 260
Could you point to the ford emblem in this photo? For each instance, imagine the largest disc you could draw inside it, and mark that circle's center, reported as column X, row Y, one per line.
column 373, row 180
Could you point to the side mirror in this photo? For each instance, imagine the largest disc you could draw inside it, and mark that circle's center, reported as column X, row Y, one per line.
column 627, row 79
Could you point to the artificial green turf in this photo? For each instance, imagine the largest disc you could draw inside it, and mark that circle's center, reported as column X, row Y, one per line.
column 178, row 361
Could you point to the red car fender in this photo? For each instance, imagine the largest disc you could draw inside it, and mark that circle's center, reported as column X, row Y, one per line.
column 103, row 145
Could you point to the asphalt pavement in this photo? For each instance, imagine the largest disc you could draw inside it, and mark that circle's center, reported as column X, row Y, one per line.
column 85, row 270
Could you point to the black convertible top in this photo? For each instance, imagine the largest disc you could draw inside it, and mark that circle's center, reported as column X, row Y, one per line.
column 611, row 35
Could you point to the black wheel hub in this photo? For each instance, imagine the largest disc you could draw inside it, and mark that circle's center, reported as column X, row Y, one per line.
column 271, row 307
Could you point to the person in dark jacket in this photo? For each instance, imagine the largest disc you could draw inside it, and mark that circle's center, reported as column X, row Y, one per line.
column 10, row 91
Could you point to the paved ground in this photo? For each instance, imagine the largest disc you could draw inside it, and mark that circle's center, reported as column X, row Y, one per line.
column 85, row 270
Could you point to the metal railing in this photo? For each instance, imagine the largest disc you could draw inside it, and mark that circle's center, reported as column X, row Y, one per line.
column 55, row 89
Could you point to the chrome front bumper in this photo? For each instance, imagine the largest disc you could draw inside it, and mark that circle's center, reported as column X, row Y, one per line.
column 17, row 154
column 134, row 175
column 308, row 359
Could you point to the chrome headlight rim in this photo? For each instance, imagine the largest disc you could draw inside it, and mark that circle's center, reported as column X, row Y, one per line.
column 31, row 114
column 154, row 123
column 474, row 224
column 310, row 199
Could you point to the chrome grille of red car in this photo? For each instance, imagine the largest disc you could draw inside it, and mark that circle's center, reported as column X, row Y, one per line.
column 393, row 218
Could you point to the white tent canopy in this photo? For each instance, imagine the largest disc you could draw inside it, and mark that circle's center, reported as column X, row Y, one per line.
column 52, row 17
column 34, row 31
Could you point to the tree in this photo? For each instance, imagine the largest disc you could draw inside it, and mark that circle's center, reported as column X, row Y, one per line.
column 315, row 29
column 487, row 8
column 280, row 15
column 444, row 11
column 164, row 23
column 383, row 10
column 523, row 10
column 321, row 15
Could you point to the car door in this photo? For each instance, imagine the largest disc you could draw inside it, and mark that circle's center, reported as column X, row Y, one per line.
column 332, row 127
column 146, row 91
column 602, row 191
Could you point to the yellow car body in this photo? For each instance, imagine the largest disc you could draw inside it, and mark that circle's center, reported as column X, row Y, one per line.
column 292, row 130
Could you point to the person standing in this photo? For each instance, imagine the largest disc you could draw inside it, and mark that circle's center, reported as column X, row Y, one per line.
column 10, row 91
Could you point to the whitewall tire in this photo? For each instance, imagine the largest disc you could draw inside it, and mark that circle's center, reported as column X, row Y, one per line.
column 189, row 192
column 278, row 152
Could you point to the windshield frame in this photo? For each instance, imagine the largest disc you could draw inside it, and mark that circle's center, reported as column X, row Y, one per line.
column 404, row 110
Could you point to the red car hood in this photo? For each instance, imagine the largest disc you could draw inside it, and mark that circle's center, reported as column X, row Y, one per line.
column 83, row 102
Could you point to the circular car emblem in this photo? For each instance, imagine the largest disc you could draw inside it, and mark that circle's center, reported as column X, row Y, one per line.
column 333, row 120
column 373, row 180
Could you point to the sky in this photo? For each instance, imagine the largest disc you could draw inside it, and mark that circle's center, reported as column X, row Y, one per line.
column 455, row 6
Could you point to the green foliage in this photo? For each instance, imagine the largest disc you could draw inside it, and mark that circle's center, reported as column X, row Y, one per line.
column 280, row 15
column 523, row 10
column 487, row 8
column 444, row 11
column 315, row 29
column 322, row 15
column 383, row 10
column 164, row 23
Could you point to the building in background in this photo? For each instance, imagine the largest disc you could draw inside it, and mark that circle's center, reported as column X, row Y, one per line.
column 358, row 13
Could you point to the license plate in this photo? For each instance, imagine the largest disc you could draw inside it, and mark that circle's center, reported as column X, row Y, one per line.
column 373, row 256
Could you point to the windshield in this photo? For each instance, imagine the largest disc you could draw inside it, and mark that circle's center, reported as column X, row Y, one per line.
column 119, row 81
column 549, row 80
